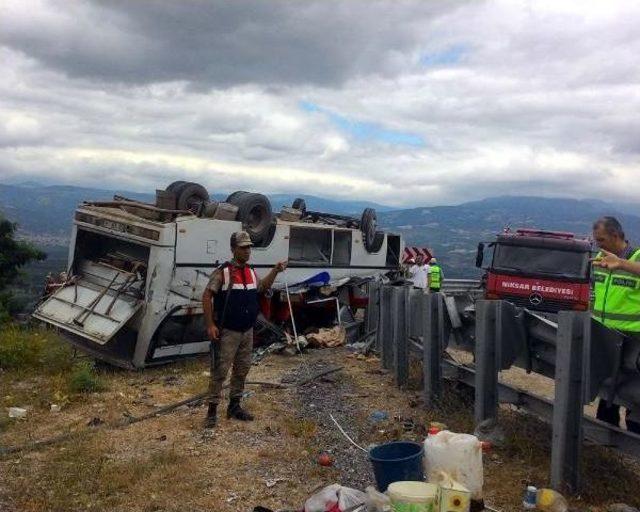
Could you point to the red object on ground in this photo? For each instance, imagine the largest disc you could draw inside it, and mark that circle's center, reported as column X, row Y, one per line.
column 486, row 446
column 325, row 460
column 433, row 431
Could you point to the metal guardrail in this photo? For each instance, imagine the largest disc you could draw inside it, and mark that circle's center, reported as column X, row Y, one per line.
column 399, row 315
column 461, row 286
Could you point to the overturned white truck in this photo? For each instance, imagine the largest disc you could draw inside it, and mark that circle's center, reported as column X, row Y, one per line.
column 137, row 271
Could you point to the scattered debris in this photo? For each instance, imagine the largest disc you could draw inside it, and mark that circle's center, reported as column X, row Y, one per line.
column 489, row 430
column 261, row 352
column 94, row 422
column 318, row 375
column 326, row 499
column 325, row 459
column 272, row 482
column 55, row 408
column 17, row 412
column 408, row 425
column 549, row 500
column 378, row 416
column 327, row 337
column 621, row 507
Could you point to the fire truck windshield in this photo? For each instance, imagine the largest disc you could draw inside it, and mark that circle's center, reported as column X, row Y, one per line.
column 541, row 261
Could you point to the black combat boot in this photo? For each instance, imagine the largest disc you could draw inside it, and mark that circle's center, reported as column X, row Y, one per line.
column 235, row 411
column 211, row 419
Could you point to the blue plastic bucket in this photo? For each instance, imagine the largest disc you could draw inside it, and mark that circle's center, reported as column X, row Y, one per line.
column 398, row 461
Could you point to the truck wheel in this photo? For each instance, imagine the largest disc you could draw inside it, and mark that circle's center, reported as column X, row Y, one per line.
column 299, row 204
column 254, row 211
column 191, row 196
column 235, row 195
column 378, row 239
column 368, row 224
column 175, row 186
column 268, row 238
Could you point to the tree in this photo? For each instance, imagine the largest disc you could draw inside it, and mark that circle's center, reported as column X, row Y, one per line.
column 14, row 254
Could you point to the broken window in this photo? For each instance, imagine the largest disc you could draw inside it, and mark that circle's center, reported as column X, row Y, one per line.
column 393, row 250
column 310, row 246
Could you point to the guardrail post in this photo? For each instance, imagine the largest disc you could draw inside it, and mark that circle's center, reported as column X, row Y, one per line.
column 574, row 331
column 403, row 315
column 388, row 316
column 486, row 388
column 432, row 347
column 373, row 310
column 383, row 305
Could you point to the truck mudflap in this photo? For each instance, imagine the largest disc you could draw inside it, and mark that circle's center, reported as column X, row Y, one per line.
column 89, row 310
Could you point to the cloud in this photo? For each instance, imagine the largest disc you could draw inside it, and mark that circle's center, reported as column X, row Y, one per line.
column 406, row 103
column 217, row 43
column 363, row 130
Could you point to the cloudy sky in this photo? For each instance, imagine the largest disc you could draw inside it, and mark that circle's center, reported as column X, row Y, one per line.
column 403, row 102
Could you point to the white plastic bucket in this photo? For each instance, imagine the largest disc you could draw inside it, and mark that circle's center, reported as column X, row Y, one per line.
column 412, row 496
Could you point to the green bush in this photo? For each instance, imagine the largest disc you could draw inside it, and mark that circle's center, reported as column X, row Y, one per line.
column 24, row 348
column 84, row 379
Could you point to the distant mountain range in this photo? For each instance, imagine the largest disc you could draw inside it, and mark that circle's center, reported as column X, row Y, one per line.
column 453, row 232
column 44, row 215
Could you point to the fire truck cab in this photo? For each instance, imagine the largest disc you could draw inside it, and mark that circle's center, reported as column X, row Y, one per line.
column 545, row 271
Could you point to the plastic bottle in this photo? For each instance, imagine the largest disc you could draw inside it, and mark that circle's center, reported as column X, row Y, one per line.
column 548, row 500
column 530, row 498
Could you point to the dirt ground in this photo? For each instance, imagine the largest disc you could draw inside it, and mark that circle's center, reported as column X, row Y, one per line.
column 169, row 463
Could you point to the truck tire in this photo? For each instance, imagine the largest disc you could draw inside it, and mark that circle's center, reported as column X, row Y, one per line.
column 368, row 225
column 235, row 195
column 299, row 204
column 266, row 240
column 254, row 211
column 378, row 240
column 191, row 196
column 175, row 186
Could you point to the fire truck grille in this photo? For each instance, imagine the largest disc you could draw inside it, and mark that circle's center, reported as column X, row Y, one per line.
column 548, row 305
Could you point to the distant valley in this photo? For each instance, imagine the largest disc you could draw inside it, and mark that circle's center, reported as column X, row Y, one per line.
column 44, row 215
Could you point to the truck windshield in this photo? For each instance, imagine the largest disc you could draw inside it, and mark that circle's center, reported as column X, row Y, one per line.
column 535, row 260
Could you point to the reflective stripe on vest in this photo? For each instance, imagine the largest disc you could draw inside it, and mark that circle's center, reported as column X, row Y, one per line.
column 617, row 297
column 248, row 283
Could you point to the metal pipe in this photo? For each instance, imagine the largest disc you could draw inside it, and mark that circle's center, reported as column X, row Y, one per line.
column 293, row 320
column 144, row 206
column 85, row 314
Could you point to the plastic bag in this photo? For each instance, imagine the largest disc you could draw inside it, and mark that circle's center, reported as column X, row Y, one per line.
column 458, row 455
column 376, row 501
column 334, row 498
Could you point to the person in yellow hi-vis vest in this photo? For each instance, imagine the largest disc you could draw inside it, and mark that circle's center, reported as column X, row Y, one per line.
column 435, row 275
column 616, row 297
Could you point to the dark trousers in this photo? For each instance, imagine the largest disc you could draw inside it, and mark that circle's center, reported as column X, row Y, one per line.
column 610, row 413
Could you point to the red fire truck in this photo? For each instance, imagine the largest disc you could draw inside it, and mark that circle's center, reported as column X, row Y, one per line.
column 541, row 270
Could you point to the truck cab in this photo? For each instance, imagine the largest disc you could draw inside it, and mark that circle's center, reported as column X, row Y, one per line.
column 546, row 271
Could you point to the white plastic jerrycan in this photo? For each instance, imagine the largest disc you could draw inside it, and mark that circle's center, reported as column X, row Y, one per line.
column 457, row 455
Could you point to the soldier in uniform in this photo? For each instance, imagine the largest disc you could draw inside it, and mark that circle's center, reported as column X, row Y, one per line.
column 230, row 304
